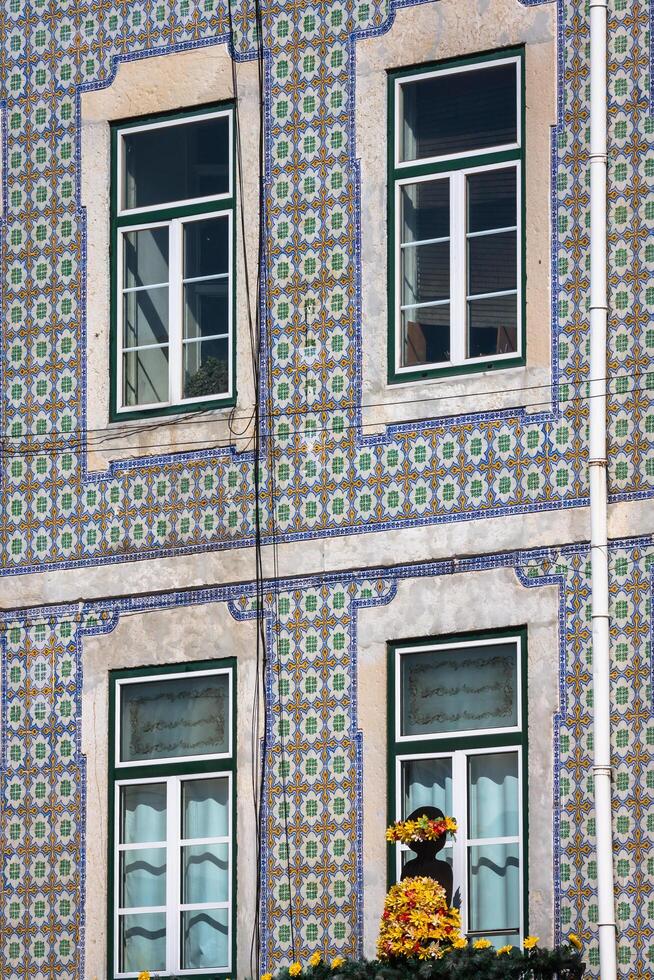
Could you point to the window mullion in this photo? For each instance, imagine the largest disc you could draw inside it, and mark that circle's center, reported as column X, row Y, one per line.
column 458, row 284
column 175, row 303
column 173, row 882
column 460, row 809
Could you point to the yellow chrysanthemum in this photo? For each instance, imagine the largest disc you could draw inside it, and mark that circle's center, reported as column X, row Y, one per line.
column 417, row 921
column 531, row 941
column 314, row 959
column 459, row 943
column 266, row 976
column 338, row 962
column 575, row 941
column 144, row 975
column 423, row 828
column 295, row 969
column 504, row 949
column 482, row 944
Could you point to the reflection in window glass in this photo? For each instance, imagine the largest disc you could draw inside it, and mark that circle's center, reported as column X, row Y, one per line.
column 167, row 164
column 459, row 112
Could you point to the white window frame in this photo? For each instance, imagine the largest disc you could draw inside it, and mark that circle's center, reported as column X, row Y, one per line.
column 194, row 117
column 459, row 235
column 462, row 843
column 185, row 759
column 176, row 278
column 456, row 70
column 462, row 645
column 173, row 844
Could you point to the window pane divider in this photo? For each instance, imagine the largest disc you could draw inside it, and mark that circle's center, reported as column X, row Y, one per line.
column 488, row 841
column 430, row 302
column 130, row 350
column 500, row 292
column 173, row 880
column 458, row 340
column 217, row 275
column 492, row 231
column 142, row 846
column 141, row 289
column 175, row 301
column 199, row 906
column 425, row 241
column 199, row 340
column 141, row 909
column 202, row 841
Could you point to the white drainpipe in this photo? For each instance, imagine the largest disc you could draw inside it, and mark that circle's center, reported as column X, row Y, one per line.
column 598, row 488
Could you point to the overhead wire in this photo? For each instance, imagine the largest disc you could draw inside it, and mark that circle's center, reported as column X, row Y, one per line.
column 503, row 415
column 124, row 430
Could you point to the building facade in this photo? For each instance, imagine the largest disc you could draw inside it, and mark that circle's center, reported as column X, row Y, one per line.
column 295, row 499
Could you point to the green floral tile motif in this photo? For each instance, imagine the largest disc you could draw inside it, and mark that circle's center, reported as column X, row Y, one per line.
column 42, row 813
column 481, row 465
column 632, row 727
column 312, row 842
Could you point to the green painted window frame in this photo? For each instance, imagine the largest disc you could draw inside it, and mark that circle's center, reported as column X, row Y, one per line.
column 447, row 166
column 450, row 743
column 218, row 205
column 163, row 770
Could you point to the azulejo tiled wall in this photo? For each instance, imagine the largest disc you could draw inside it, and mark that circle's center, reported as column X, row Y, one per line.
column 312, row 894
column 55, row 513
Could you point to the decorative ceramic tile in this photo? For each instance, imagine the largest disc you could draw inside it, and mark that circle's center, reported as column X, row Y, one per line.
column 311, row 858
column 56, row 514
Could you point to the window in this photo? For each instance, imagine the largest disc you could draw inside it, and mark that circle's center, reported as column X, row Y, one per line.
column 172, row 801
column 455, row 223
column 172, row 264
column 458, row 744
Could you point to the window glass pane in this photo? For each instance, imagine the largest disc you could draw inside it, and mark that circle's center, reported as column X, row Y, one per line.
column 493, row 795
column 427, row 782
column 143, row 942
column 145, row 376
column 143, row 813
column 206, row 308
column 425, row 209
column 206, row 368
column 145, row 257
column 492, row 199
column 492, row 263
column 425, row 337
column 494, row 888
column 493, row 326
column 457, row 112
column 205, row 939
column 459, row 689
column 145, row 317
column 205, row 808
column 176, row 163
column 175, row 718
column 205, row 870
column 143, row 877
column 206, row 247
column 425, row 273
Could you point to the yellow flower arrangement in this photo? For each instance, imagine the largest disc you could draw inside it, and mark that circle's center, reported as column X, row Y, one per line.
column 295, row 969
column 482, row 944
column 144, row 975
column 417, row 921
column 338, row 962
column 504, row 949
column 314, row 959
column 404, row 831
column 575, row 941
column 531, row 941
